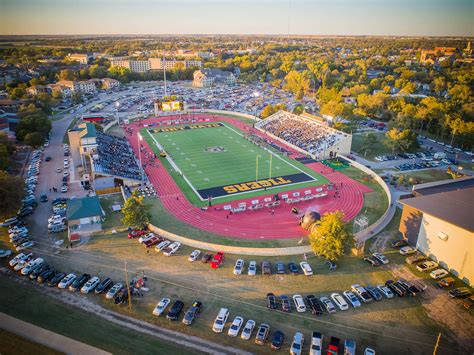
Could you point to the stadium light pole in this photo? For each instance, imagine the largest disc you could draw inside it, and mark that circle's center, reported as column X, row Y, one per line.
column 270, row 174
column 256, row 95
column 117, row 104
column 139, row 136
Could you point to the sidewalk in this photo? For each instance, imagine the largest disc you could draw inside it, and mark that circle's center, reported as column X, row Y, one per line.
column 47, row 338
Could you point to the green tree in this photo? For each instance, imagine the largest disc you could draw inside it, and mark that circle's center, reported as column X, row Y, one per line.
column 3, row 157
column 11, row 193
column 136, row 213
column 368, row 144
column 34, row 139
column 33, row 122
column 330, row 237
column 401, row 140
column 66, row 74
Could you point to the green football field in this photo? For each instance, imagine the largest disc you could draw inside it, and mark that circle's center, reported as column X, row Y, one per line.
column 216, row 160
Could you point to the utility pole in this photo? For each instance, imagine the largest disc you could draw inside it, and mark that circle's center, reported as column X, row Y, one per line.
column 437, row 344
column 128, row 288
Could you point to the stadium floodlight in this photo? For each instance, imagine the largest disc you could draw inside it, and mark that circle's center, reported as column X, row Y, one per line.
column 140, row 138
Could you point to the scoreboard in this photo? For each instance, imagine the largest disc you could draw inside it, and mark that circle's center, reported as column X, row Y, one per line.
column 170, row 105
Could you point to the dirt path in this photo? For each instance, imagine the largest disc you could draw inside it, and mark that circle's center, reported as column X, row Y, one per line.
column 185, row 340
column 444, row 310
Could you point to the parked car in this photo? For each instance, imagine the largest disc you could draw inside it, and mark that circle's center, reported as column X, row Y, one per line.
column 384, row 290
column 152, row 241
column 113, row 291
column 38, row 271
column 56, row 279
column 235, row 326
column 172, row 249
column 192, row 312
column 460, row 292
column 333, row 348
column 307, row 270
column 349, row 347
column 252, row 269
column 206, row 257
column 369, row 351
column 122, row 296
column 293, row 268
column 217, row 260
column 161, row 306
column 220, row 320
column 248, row 330
column 104, row 285
column 175, row 310
column 409, row 288
column 438, row 274
column 374, row 293
column 280, row 268
column 339, row 301
column 277, row 340
column 90, row 285
column 20, row 257
column 25, row 245
column 361, row 292
column 380, row 257
column 66, row 281
column 415, row 258
column 262, row 334
column 426, row 266
column 162, row 245
column 136, row 233
column 328, row 305
column 315, row 305
column 266, row 268
column 194, row 255
column 395, row 288
column 297, row 344
column 285, row 303
column 399, row 243
column 446, row 282
column 372, row 260
column 271, row 301
column 31, row 266
column 316, row 343
column 407, row 250
column 239, row 265
column 299, row 303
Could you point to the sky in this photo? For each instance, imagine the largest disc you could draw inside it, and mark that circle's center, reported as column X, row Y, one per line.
column 305, row 17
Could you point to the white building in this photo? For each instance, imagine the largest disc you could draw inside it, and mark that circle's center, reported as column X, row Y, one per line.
column 212, row 77
column 81, row 58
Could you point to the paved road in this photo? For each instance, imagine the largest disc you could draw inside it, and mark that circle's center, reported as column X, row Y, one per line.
column 46, row 337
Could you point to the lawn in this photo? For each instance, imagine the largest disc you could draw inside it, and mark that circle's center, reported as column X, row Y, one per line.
column 13, row 344
column 424, row 176
column 216, row 161
column 112, row 218
column 30, row 305
column 379, row 148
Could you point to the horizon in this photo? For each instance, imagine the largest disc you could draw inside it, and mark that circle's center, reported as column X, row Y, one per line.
column 378, row 18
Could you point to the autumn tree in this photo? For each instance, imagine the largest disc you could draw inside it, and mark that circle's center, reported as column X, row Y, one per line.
column 11, row 193
column 330, row 236
column 401, row 140
column 136, row 213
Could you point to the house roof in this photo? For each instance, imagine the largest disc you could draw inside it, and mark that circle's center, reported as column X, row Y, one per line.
column 88, row 130
column 78, row 208
column 454, row 207
column 443, row 186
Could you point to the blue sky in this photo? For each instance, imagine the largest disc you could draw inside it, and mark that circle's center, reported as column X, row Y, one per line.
column 323, row 17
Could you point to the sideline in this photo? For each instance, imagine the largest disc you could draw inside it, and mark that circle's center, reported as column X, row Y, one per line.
column 46, row 337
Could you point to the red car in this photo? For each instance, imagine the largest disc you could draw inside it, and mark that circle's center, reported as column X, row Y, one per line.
column 153, row 241
column 217, row 260
column 136, row 233
column 333, row 348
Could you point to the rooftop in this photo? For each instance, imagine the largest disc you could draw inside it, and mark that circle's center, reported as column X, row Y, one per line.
column 443, row 186
column 78, row 208
column 454, row 206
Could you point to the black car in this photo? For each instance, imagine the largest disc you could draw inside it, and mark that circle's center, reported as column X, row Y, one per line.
column 410, row 289
column 56, row 279
column 315, row 305
column 281, row 268
column 285, row 303
column 206, row 257
column 293, row 268
column 64, row 178
column 25, row 212
column 20, row 241
column 46, row 276
column 396, row 288
column 104, row 285
column 175, row 310
column 277, row 339
column 460, row 292
column 399, row 243
column 271, row 301
column 38, row 271
column 59, row 200
column 192, row 312
column 79, row 282
column 47, row 159
column 332, row 266
column 372, row 260
column 266, row 268
column 121, row 297
column 374, row 293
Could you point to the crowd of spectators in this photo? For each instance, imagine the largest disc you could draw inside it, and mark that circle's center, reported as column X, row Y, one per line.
column 115, row 157
column 308, row 135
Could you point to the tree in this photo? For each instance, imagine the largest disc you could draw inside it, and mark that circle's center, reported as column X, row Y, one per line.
column 370, row 139
column 66, row 74
column 11, row 193
column 271, row 109
column 33, row 122
column 401, row 140
column 330, row 236
column 136, row 213
column 3, row 157
column 34, row 139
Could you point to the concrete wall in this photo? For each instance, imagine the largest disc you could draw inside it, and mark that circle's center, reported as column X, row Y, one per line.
column 456, row 253
column 410, row 223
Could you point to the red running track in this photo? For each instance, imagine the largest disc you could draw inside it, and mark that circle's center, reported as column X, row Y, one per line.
column 260, row 224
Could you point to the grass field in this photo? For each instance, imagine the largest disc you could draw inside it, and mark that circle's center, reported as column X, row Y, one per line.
column 13, row 344
column 235, row 162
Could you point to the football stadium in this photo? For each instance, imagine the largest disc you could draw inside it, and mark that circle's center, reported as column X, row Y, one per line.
column 234, row 177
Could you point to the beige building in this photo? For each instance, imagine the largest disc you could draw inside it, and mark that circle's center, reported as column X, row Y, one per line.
column 109, row 84
column 136, row 66
column 37, row 89
column 208, row 77
column 83, row 143
column 83, row 87
column 169, row 64
column 438, row 222
column 63, row 90
column 81, row 58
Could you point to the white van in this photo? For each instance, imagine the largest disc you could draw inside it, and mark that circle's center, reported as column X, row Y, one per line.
column 220, row 321
column 90, row 285
column 33, row 264
column 439, row 155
